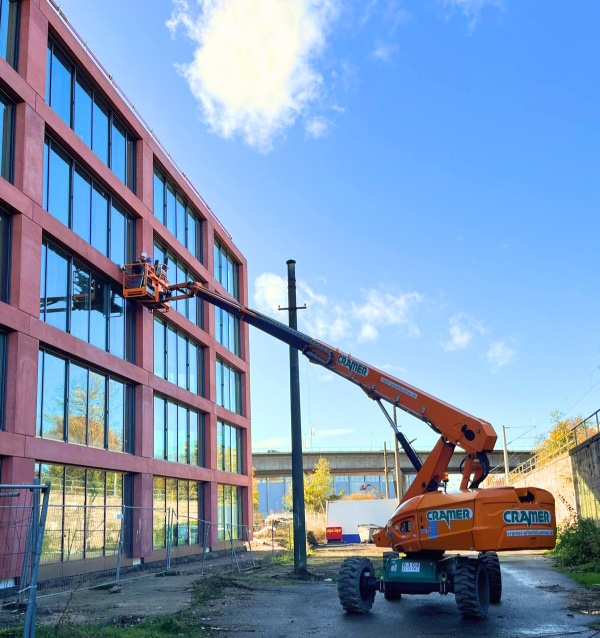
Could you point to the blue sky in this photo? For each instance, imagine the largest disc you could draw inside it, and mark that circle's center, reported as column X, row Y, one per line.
column 433, row 168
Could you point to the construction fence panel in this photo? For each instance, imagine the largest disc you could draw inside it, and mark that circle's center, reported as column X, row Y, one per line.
column 23, row 511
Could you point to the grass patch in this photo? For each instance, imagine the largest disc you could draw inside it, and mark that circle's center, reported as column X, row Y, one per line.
column 584, row 578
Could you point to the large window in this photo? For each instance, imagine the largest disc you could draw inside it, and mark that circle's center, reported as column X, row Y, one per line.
column 226, row 270
column 81, row 107
column 177, row 358
column 3, row 360
column 178, row 274
column 228, row 384
column 84, row 512
column 230, row 513
column 76, row 300
column 229, row 448
column 9, row 30
column 178, row 433
column 175, row 212
column 85, row 207
column 7, row 143
column 186, row 500
column 5, row 242
column 227, row 330
column 79, row 405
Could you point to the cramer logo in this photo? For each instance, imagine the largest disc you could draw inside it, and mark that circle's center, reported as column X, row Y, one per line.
column 353, row 366
column 528, row 517
column 463, row 514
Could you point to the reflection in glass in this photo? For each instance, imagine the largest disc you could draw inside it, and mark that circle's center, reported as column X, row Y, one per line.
column 181, row 362
column 181, row 434
column 6, row 141
column 193, row 437
column 159, row 194
column 97, row 407
column 9, row 20
column 59, row 185
column 78, row 403
column 159, row 521
column 159, row 428
column 82, row 192
column 60, row 85
column 100, row 130
column 171, row 221
column 171, row 355
column 100, row 220
column 118, row 150
column 80, row 302
column 193, row 367
column 53, row 399
column 115, row 415
column 117, row 234
column 99, row 312
column 83, row 111
column 191, row 233
column 171, row 432
column 159, row 348
column 56, row 289
column 117, row 325
column 180, row 208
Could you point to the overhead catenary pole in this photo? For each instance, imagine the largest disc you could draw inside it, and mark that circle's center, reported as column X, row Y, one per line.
column 297, row 469
column 385, row 471
column 506, row 472
column 397, row 463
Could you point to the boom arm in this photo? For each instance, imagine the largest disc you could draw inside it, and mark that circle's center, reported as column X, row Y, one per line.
column 457, row 428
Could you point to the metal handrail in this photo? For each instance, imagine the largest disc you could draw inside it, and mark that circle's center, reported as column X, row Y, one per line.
column 580, row 433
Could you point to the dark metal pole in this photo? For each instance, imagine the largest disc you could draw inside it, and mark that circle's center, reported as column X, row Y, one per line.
column 297, row 469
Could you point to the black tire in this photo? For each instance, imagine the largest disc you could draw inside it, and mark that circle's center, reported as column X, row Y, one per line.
column 390, row 592
column 472, row 588
column 387, row 556
column 354, row 598
column 494, row 574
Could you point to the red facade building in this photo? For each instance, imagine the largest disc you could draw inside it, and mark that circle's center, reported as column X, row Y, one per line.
column 114, row 405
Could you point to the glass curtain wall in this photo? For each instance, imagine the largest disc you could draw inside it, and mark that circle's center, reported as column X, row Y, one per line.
column 77, row 201
column 7, row 141
column 186, row 499
column 178, row 433
column 76, row 300
column 83, row 406
column 230, row 512
column 9, row 31
column 228, row 382
column 227, row 330
column 177, row 358
column 229, row 448
column 84, row 512
column 5, row 243
column 174, row 211
column 80, row 106
column 178, row 274
column 226, row 269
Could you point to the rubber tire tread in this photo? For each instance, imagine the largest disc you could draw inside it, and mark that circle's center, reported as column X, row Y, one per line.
column 465, row 589
column 349, row 585
column 391, row 594
column 494, row 574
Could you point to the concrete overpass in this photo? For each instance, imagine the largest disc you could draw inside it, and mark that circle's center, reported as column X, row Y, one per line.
column 278, row 464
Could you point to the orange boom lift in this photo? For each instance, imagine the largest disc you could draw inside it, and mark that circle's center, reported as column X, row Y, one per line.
column 428, row 522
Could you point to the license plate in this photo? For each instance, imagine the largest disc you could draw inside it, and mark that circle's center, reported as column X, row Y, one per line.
column 411, row 567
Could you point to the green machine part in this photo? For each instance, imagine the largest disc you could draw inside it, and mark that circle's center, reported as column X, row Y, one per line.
column 413, row 575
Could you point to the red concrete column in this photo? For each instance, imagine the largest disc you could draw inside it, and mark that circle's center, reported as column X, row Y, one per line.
column 208, row 246
column 21, row 384
column 33, row 43
column 29, row 152
column 144, row 421
column 142, row 515
column 145, row 174
column 25, row 265
column 210, row 506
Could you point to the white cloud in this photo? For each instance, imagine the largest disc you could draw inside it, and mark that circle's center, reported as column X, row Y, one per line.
column 500, row 354
column 462, row 330
column 471, row 9
column 390, row 367
column 384, row 52
column 385, row 309
column 317, row 127
column 253, row 71
column 333, row 321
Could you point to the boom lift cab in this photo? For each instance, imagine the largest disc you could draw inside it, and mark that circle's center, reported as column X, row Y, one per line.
column 428, row 522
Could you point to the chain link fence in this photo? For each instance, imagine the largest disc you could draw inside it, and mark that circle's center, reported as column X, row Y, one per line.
column 23, row 513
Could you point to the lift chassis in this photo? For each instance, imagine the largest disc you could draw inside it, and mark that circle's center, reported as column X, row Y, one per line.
column 428, row 522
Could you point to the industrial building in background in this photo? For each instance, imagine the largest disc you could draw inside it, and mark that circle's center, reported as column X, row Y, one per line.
column 111, row 403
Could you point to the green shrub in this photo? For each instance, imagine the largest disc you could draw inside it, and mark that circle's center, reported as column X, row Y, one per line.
column 578, row 545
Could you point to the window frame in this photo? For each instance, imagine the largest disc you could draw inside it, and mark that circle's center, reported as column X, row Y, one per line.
column 96, row 95
column 128, row 404
column 129, row 308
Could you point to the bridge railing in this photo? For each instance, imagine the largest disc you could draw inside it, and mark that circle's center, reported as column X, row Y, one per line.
column 580, row 433
column 390, row 450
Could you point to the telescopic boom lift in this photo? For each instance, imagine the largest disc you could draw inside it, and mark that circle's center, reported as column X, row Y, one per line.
column 428, row 522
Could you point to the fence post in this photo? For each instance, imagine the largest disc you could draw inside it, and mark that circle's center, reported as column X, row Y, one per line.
column 120, row 545
column 250, row 545
column 28, row 548
column 29, row 626
column 233, row 555
column 169, row 514
column 206, row 528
